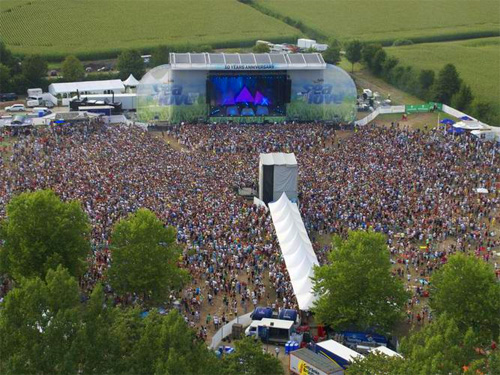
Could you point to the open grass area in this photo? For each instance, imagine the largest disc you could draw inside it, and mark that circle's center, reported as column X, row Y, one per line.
column 384, row 20
column 60, row 27
column 477, row 61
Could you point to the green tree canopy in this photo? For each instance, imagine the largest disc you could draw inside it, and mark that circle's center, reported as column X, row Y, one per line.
column 40, row 232
column 34, row 69
column 466, row 290
column 160, row 56
column 447, row 84
column 261, row 48
column 72, row 69
column 357, row 288
column 379, row 61
column 442, row 348
column 368, row 52
column 332, row 54
column 353, row 52
column 4, row 77
column 249, row 359
column 5, row 55
column 145, row 257
column 377, row 364
column 130, row 62
column 462, row 100
column 38, row 324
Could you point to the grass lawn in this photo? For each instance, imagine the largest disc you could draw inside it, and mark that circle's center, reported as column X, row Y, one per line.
column 383, row 20
column 477, row 61
column 60, row 27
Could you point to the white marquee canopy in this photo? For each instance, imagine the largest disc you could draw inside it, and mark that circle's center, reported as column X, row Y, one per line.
column 296, row 248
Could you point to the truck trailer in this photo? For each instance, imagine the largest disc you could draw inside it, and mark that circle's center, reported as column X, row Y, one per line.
column 128, row 101
column 337, row 353
column 305, row 361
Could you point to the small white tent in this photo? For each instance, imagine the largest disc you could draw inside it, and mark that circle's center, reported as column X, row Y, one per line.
column 296, row 248
column 131, row 81
column 471, row 125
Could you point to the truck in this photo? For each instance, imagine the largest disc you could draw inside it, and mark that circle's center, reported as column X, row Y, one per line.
column 337, row 353
column 128, row 101
column 305, row 361
column 37, row 98
column 271, row 330
column 305, row 43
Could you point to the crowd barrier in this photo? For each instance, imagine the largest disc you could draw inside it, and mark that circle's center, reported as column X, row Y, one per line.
column 226, row 330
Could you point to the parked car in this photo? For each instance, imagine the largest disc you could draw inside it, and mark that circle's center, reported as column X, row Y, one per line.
column 8, row 97
column 16, row 108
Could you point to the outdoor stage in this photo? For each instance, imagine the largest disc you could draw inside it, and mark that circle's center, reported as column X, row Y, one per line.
column 246, row 88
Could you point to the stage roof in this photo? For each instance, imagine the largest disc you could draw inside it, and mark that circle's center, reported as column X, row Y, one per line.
column 247, row 61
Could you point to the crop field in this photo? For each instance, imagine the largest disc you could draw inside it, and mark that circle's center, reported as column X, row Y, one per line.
column 477, row 61
column 388, row 20
column 60, row 27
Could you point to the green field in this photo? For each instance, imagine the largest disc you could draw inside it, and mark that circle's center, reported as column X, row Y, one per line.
column 53, row 27
column 477, row 61
column 387, row 20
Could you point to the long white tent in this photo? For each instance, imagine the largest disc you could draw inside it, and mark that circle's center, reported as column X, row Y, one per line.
column 296, row 248
column 87, row 87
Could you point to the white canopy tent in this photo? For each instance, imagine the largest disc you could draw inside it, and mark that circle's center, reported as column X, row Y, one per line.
column 67, row 89
column 471, row 125
column 131, row 81
column 296, row 248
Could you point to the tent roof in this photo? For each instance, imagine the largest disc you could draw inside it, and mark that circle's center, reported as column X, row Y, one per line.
column 340, row 350
column 385, row 350
column 131, row 81
column 69, row 87
column 296, row 248
column 278, row 158
column 471, row 125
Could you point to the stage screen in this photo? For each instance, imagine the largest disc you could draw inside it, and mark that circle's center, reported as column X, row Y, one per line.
column 247, row 94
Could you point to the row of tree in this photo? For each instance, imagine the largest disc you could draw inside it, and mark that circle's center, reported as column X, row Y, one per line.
column 447, row 87
column 47, row 329
column 358, row 291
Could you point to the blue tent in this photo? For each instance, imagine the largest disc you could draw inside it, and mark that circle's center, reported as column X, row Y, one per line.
column 453, row 130
column 447, row 121
column 288, row 314
column 262, row 312
column 466, row 118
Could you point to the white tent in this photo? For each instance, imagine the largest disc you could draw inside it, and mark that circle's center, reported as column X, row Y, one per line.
column 471, row 125
column 90, row 87
column 131, row 81
column 296, row 248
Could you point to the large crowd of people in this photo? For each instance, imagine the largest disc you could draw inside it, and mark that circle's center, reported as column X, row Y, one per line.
column 419, row 188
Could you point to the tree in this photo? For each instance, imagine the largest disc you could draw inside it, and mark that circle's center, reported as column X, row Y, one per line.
column 466, row 290
column 72, row 69
column 353, row 52
column 463, row 98
column 376, row 364
column 5, row 55
column 38, row 325
column 41, row 232
column 4, row 77
column 483, row 111
column 130, row 62
column 441, row 348
column 249, row 359
column 389, row 64
column 144, row 257
column 425, row 82
column 160, row 56
column 34, row 69
column 357, row 288
column 379, row 61
column 368, row 52
column 332, row 55
column 261, row 48
column 447, row 84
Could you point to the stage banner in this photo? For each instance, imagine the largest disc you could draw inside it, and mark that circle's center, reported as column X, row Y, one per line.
column 322, row 95
column 423, row 108
column 174, row 96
